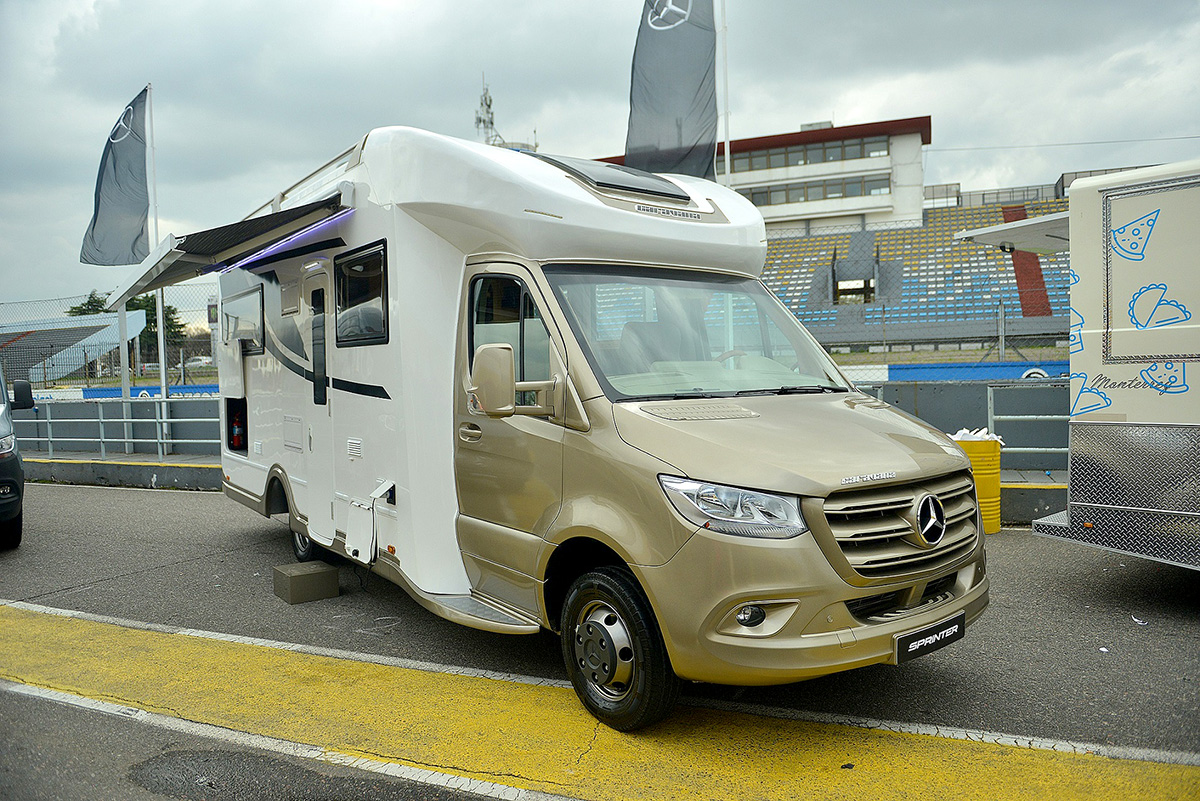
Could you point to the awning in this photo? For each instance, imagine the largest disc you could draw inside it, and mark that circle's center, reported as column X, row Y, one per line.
column 177, row 259
column 1046, row 234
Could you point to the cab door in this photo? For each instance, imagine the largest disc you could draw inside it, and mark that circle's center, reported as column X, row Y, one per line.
column 508, row 470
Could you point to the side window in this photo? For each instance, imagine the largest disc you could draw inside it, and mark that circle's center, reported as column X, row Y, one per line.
column 503, row 311
column 242, row 318
column 360, row 287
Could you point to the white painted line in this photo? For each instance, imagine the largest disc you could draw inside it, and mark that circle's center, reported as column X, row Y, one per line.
column 954, row 733
column 287, row 747
column 760, row 710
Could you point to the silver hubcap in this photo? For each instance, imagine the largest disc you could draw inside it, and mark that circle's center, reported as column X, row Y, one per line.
column 604, row 650
column 301, row 541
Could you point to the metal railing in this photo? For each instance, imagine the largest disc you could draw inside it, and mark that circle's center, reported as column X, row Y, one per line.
column 994, row 418
column 164, row 437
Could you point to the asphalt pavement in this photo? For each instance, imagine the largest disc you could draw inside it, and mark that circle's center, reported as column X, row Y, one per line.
column 1077, row 645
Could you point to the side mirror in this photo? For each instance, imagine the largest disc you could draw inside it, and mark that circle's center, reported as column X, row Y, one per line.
column 22, row 395
column 493, row 387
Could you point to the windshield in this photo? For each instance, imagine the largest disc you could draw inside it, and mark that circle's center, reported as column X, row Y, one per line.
column 653, row 333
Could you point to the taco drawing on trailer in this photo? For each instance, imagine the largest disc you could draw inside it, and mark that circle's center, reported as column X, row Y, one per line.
column 1088, row 399
column 1150, row 308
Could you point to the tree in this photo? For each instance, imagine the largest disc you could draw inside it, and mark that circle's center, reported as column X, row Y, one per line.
column 94, row 304
column 173, row 332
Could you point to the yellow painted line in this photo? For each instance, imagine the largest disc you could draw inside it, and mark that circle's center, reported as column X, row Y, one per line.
column 537, row 737
column 126, row 464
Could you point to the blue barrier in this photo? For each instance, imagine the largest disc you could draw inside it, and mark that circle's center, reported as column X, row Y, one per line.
column 975, row 371
column 179, row 390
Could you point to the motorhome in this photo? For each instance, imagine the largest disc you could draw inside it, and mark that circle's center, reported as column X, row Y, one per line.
column 12, row 474
column 543, row 392
column 1134, row 334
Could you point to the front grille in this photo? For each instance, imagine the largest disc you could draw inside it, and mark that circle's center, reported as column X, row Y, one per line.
column 872, row 528
column 885, row 607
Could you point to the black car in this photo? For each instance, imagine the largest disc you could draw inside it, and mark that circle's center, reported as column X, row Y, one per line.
column 12, row 477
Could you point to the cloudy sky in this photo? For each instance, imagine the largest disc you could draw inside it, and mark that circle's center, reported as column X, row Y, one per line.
column 250, row 96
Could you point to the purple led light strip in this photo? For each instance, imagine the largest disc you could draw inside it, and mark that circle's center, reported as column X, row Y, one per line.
column 319, row 224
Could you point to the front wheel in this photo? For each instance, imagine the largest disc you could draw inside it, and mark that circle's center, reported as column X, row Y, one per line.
column 614, row 651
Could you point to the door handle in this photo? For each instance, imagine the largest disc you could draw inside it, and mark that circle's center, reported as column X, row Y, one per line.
column 469, row 432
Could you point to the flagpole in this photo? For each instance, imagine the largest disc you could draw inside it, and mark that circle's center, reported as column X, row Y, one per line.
column 160, row 298
column 723, row 35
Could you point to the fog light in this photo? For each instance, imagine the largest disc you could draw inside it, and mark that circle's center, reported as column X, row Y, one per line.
column 751, row 616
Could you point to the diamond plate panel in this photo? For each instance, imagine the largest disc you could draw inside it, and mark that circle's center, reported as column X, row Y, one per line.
column 1165, row 537
column 1154, row 467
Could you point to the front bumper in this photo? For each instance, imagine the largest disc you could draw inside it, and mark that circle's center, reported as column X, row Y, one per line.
column 809, row 631
column 12, row 486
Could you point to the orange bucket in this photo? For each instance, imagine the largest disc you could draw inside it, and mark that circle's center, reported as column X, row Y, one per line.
column 985, row 463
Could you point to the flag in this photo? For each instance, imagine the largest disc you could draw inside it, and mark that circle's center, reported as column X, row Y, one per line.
column 118, row 231
column 673, row 90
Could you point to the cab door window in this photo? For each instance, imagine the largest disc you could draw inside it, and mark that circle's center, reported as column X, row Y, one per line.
column 503, row 311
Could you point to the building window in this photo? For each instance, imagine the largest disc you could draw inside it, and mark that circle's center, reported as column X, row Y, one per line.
column 797, row 155
column 778, row 194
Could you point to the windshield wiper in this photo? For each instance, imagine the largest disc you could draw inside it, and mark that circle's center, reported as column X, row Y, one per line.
column 803, row 389
column 686, row 395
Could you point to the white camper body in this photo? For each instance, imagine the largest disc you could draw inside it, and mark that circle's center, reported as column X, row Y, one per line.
column 1134, row 347
column 543, row 392
column 371, row 462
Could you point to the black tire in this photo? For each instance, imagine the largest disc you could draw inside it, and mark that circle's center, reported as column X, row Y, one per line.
column 10, row 533
column 614, row 651
column 304, row 549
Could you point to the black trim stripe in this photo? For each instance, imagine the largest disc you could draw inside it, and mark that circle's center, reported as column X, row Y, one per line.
column 354, row 387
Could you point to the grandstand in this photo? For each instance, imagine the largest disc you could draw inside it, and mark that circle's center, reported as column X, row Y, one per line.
column 46, row 349
column 905, row 284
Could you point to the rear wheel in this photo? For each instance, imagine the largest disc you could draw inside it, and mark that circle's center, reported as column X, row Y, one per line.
column 304, row 548
column 614, row 651
column 10, row 533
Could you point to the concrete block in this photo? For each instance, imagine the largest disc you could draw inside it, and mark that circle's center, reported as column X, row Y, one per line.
column 306, row 581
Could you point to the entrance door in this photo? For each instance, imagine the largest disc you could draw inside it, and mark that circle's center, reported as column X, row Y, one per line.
column 508, row 470
column 319, row 420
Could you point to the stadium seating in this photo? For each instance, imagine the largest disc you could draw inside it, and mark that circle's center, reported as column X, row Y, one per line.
column 940, row 279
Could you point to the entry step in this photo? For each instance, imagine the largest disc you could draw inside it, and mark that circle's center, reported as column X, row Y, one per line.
column 1055, row 525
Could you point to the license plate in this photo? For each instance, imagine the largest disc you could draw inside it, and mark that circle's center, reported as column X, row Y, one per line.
column 917, row 643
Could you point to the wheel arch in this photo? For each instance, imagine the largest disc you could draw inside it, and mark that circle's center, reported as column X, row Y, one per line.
column 570, row 560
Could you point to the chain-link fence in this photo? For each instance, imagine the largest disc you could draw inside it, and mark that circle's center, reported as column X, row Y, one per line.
column 910, row 302
column 73, row 342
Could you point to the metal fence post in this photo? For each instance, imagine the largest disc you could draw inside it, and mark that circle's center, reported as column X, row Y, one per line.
column 49, row 431
column 1000, row 326
column 158, row 428
column 100, row 426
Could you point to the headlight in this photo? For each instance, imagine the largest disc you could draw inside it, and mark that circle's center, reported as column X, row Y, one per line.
column 8, row 443
column 731, row 510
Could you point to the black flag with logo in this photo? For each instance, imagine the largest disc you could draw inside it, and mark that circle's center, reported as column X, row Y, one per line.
column 673, row 91
column 117, row 233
